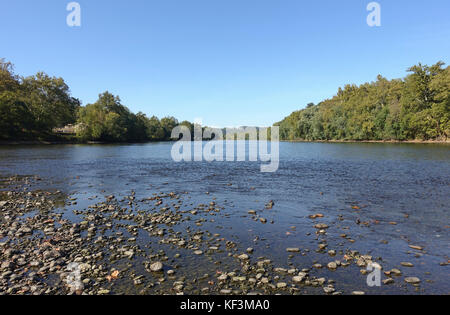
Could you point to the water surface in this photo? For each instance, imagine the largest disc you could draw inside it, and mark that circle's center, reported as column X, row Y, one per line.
column 408, row 184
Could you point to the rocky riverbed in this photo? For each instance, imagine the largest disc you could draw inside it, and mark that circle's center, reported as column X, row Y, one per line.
column 164, row 243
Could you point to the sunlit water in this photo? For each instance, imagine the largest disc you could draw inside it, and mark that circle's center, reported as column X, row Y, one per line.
column 387, row 181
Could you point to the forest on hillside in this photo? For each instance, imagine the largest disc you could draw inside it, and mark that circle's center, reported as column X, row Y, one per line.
column 414, row 108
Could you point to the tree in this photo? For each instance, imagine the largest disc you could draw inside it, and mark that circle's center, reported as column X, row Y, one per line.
column 50, row 101
column 105, row 120
column 16, row 120
column 414, row 108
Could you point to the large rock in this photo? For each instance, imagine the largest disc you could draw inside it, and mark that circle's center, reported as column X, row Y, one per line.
column 156, row 267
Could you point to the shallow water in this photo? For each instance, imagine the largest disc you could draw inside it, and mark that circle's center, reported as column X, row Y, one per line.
column 404, row 183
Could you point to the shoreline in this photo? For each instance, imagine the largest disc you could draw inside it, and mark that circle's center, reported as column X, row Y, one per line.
column 38, row 142
column 372, row 141
column 42, row 142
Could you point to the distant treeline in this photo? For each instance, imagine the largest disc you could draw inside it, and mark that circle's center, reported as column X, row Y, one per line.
column 414, row 108
column 417, row 107
column 32, row 107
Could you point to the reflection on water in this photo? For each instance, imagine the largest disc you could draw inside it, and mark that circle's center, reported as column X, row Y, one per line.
column 404, row 183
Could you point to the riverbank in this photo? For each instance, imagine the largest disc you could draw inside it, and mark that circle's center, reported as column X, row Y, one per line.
column 75, row 141
column 373, row 141
column 161, row 243
column 62, row 142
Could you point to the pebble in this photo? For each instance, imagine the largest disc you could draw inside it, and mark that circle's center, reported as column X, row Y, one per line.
column 243, row 257
column 281, row 285
column 299, row 278
column 388, row 281
column 407, row 264
column 412, row 280
column 317, row 266
column 332, row 266
column 156, row 267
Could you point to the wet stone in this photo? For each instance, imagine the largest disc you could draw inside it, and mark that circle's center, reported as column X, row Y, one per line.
column 156, row 267
column 412, row 280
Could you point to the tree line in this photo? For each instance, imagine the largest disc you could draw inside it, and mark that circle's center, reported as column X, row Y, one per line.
column 416, row 107
column 32, row 107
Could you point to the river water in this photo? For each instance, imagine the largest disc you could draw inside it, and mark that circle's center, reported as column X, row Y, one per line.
column 350, row 184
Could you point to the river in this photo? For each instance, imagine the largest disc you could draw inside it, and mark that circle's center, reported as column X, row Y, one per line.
column 384, row 197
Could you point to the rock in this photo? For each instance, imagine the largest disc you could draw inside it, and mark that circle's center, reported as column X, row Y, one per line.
column 361, row 262
column 243, row 257
column 264, row 280
column 329, row 289
column 321, row 281
column 358, row 293
column 293, row 250
column 198, row 252
column 416, row 247
column 281, row 285
column 129, row 253
column 270, row 205
column 412, row 280
column 321, row 226
column 332, row 266
column 395, row 272
column 223, row 277
column 301, row 276
column 156, row 267
column 407, row 264
column 317, row 266
column 3, row 203
column 388, row 281
column 239, row 279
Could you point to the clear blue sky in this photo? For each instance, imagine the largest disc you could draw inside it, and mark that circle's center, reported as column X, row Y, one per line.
column 230, row 62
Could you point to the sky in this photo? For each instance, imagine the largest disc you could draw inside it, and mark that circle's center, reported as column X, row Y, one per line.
column 228, row 62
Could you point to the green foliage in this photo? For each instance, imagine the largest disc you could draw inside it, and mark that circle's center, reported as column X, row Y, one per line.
column 50, row 101
column 414, row 108
column 108, row 120
column 31, row 107
column 417, row 107
column 14, row 113
column 105, row 120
